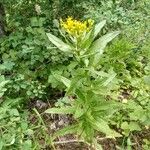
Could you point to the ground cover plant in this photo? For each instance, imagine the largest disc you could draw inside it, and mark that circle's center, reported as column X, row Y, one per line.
column 74, row 74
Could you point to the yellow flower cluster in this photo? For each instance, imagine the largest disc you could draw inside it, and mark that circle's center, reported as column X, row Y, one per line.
column 76, row 28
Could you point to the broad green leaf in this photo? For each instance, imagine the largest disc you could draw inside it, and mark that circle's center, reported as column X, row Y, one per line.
column 63, row 110
column 11, row 102
column 129, row 127
column 134, row 126
column 125, row 125
column 59, row 43
column 7, row 65
column 98, row 27
column 100, row 44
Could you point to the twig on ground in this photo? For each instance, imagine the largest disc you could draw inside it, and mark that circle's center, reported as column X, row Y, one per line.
column 69, row 141
column 75, row 141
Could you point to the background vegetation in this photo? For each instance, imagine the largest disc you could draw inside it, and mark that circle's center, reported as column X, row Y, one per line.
column 29, row 63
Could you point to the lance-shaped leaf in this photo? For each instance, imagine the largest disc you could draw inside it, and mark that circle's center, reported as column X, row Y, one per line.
column 59, row 43
column 66, row 130
column 100, row 44
column 102, row 126
column 110, row 79
column 98, row 27
column 89, row 38
column 64, row 80
column 62, row 110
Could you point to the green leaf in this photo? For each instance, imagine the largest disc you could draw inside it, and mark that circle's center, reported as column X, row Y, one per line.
column 102, row 126
column 147, row 80
column 80, row 94
column 3, row 82
column 100, row 44
column 129, row 144
column 64, row 80
column 88, row 133
column 1, row 144
column 79, row 112
column 67, row 130
column 109, row 79
column 27, row 145
column 134, row 126
column 89, row 38
column 98, row 27
column 87, row 41
column 129, row 127
column 7, row 65
column 63, row 110
column 106, row 105
column 59, row 43
column 74, row 83
column 125, row 125
column 34, row 21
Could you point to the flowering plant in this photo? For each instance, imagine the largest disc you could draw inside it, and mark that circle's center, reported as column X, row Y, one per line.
column 81, row 40
column 88, row 86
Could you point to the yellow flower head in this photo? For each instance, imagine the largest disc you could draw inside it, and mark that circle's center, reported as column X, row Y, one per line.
column 75, row 27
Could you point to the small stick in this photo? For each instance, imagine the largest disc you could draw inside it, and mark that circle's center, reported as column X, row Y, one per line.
column 69, row 141
column 74, row 141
